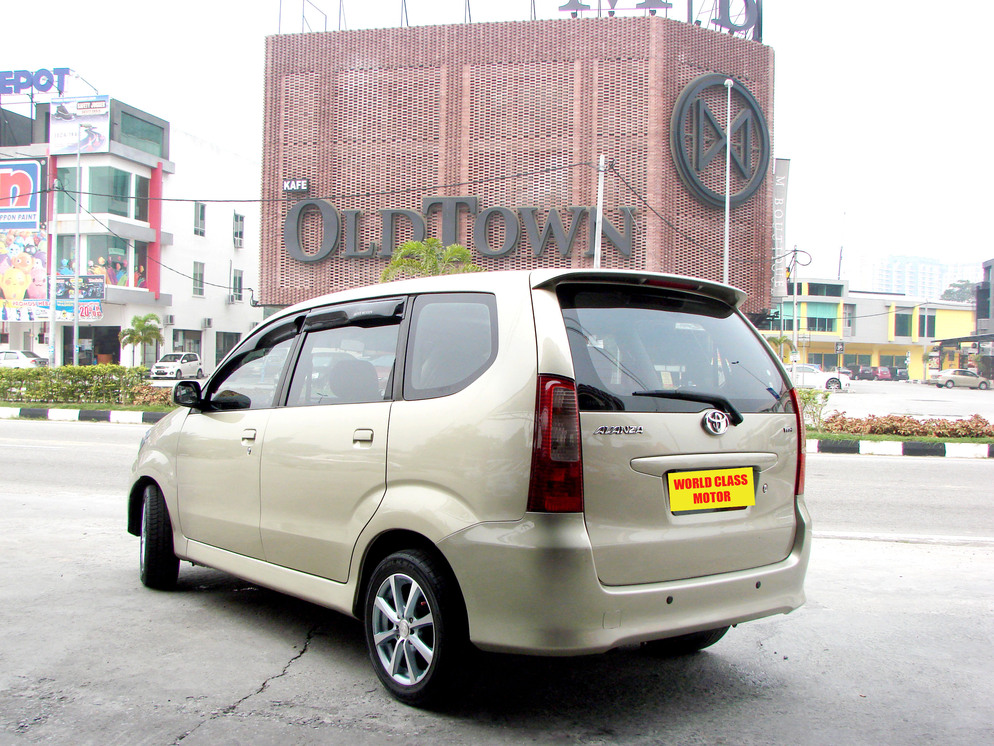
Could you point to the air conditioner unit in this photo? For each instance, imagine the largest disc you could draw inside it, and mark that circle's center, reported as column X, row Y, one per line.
column 231, row 299
column 207, row 323
column 168, row 320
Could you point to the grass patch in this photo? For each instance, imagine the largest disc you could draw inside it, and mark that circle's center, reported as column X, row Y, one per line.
column 815, row 435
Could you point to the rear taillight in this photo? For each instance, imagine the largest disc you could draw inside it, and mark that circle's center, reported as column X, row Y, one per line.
column 557, row 468
column 802, row 442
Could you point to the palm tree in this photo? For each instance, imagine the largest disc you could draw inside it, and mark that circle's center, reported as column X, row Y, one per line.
column 145, row 330
column 779, row 342
column 427, row 258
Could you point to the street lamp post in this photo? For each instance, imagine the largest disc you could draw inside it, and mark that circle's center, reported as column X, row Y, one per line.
column 729, row 83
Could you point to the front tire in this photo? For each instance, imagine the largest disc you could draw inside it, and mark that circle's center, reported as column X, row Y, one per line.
column 950, row 383
column 982, row 385
column 158, row 566
column 685, row 644
column 415, row 627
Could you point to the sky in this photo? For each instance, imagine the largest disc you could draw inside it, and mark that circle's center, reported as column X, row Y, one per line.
column 882, row 106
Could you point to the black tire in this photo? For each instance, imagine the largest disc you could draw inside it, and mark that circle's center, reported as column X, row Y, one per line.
column 200, row 373
column 179, row 374
column 950, row 383
column 158, row 566
column 982, row 385
column 833, row 384
column 685, row 644
column 416, row 656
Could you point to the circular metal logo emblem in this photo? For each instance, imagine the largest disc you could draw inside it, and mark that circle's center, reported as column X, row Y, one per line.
column 715, row 422
column 698, row 140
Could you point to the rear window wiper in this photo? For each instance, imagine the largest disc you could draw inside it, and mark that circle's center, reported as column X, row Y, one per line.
column 715, row 400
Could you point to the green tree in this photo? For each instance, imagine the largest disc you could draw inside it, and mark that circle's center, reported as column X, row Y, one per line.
column 144, row 330
column 428, row 258
column 963, row 291
column 778, row 343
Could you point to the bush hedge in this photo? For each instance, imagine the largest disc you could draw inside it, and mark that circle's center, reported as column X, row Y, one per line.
column 899, row 424
column 71, row 384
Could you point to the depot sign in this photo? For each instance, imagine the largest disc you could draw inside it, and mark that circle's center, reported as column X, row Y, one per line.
column 342, row 228
column 19, row 81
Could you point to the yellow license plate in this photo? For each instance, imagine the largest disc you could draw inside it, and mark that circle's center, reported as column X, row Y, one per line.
column 711, row 489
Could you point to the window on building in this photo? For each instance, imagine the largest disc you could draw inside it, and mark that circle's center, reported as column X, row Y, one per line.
column 238, row 230
column 107, row 256
column 902, row 324
column 224, row 343
column 139, row 264
column 821, row 288
column 110, row 190
column 926, row 329
column 65, row 200
column 816, row 324
column 849, row 319
column 827, row 361
column 199, row 218
column 137, row 133
column 822, row 317
column 854, row 361
column 141, row 198
column 65, row 248
column 198, row 278
column 236, row 285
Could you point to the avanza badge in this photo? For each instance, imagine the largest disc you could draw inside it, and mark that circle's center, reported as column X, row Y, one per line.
column 711, row 489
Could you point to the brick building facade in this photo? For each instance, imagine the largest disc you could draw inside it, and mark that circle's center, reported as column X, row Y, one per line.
column 510, row 117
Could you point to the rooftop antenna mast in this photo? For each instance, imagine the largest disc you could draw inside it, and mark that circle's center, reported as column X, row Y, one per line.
column 467, row 16
column 534, row 16
column 404, row 20
column 341, row 16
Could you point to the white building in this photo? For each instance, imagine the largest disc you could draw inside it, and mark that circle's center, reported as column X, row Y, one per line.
column 153, row 230
column 917, row 276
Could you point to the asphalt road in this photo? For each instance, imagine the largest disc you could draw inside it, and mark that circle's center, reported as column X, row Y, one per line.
column 894, row 645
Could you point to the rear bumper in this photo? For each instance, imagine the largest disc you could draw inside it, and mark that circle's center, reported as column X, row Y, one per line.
column 530, row 586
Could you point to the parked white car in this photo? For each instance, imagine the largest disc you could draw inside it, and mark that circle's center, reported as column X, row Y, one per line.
column 178, row 365
column 807, row 376
column 21, row 359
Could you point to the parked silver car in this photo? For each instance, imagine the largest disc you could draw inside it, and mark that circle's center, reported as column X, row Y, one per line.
column 21, row 359
column 551, row 462
column 959, row 377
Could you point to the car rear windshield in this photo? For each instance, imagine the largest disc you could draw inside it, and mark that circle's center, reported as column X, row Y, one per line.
column 643, row 350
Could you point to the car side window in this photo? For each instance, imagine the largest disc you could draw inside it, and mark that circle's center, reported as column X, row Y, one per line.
column 251, row 378
column 345, row 365
column 453, row 340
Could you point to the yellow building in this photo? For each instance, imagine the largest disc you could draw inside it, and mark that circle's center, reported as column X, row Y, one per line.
column 851, row 328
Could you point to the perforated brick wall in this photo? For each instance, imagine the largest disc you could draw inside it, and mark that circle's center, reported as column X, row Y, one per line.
column 516, row 115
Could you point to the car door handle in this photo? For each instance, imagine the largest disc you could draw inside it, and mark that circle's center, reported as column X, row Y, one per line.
column 362, row 437
column 248, row 436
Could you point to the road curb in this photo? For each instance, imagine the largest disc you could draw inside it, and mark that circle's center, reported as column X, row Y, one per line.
column 902, row 448
column 81, row 415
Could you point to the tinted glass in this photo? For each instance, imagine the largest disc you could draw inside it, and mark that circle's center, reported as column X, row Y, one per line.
column 345, row 365
column 628, row 341
column 453, row 341
column 251, row 379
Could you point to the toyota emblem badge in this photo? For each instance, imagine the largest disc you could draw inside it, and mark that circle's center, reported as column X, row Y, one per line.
column 715, row 422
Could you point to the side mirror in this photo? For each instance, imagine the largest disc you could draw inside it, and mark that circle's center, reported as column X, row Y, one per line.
column 187, row 394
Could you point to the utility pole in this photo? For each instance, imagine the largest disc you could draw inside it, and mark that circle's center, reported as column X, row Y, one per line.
column 599, row 217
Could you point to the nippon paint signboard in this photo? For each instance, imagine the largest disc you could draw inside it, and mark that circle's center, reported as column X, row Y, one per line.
column 80, row 125
column 21, row 189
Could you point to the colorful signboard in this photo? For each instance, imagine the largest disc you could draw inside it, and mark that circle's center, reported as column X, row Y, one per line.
column 80, row 125
column 21, row 189
column 43, row 80
column 38, row 310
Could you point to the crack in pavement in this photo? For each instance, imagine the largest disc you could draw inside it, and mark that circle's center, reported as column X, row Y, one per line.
column 216, row 714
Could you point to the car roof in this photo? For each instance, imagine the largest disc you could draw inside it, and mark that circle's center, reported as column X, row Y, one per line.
column 539, row 278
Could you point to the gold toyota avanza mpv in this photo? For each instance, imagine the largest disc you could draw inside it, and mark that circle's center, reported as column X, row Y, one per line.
column 550, row 462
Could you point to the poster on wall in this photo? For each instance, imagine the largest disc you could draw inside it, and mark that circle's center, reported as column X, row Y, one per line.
column 38, row 310
column 80, row 125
